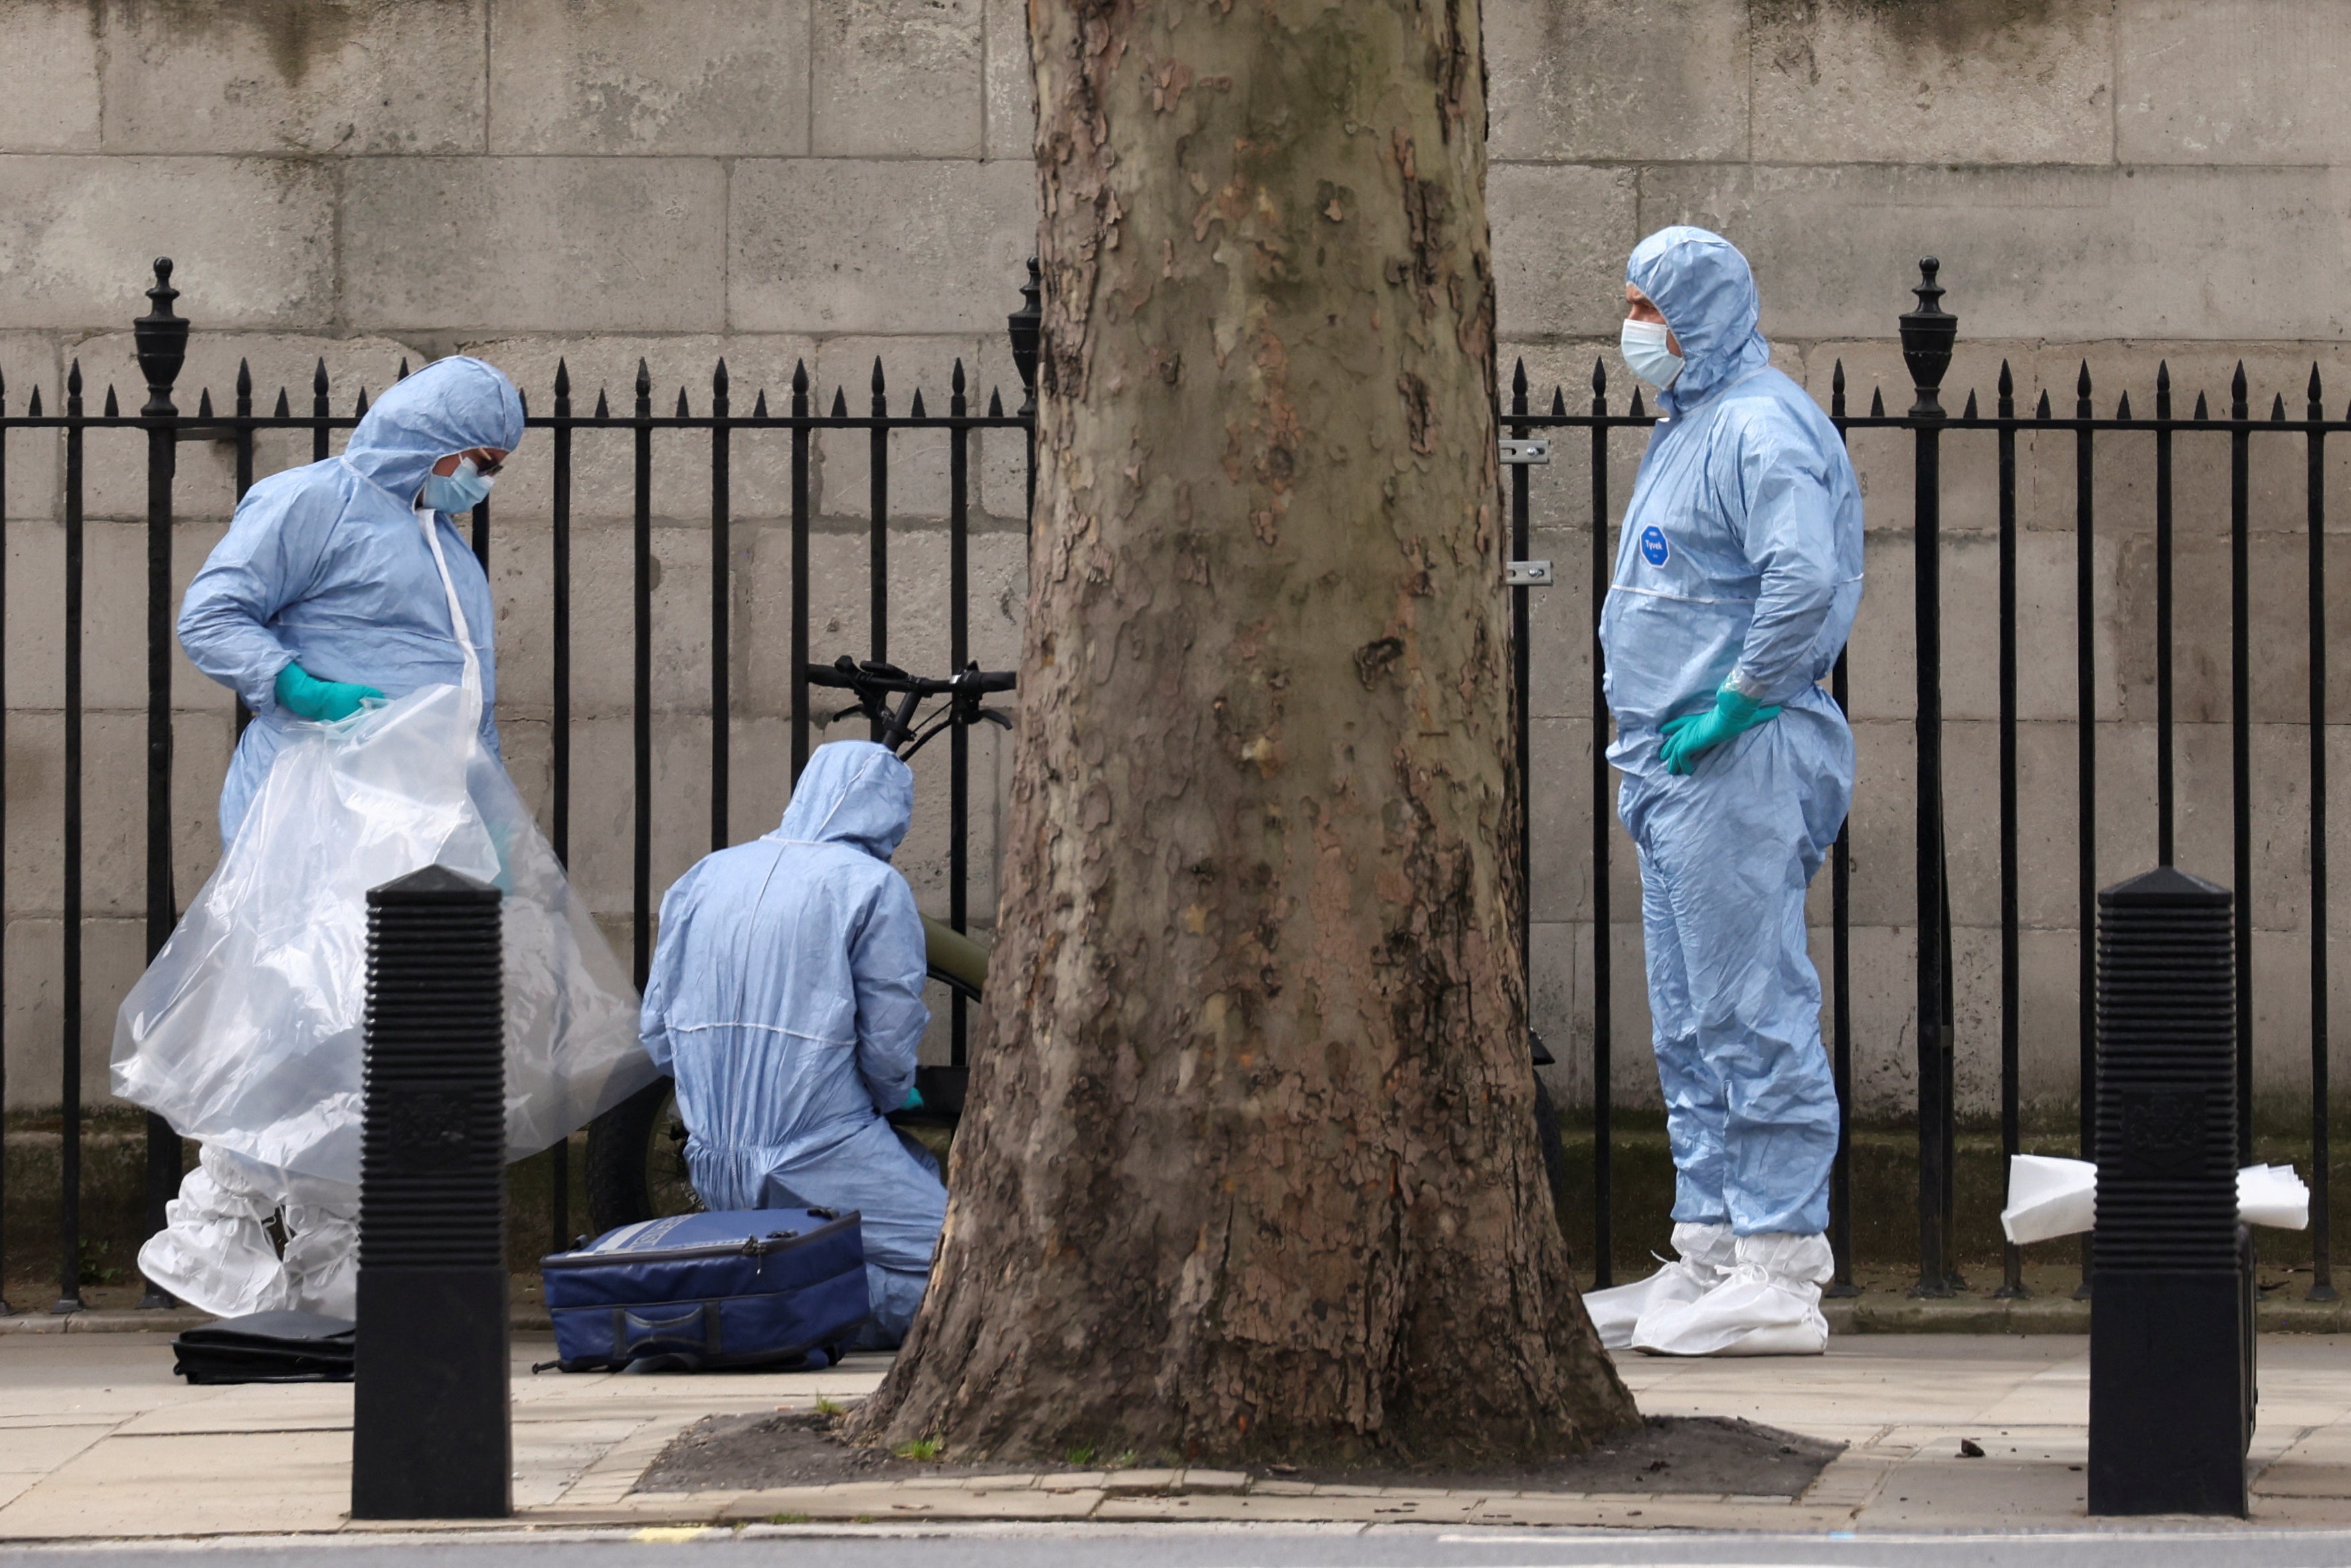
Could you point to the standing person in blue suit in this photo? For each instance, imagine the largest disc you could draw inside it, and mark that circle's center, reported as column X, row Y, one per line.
column 1736, row 585
column 339, row 581
column 786, row 999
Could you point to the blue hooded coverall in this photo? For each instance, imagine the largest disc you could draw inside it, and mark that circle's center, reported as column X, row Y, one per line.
column 1740, row 562
column 326, row 566
column 786, row 999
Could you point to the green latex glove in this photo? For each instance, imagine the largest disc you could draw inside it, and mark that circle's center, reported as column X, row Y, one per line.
column 304, row 695
column 913, row 1101
column 1694, row 733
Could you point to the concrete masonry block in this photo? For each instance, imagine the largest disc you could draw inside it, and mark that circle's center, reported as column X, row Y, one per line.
column 919, row 461
column 53, row 52
column 252, row 238
column 1565, row 970
column 1560, row 235
column 204, row 482
column 114, row 954
column 30, row 360
column 1579, row 79
column 838, row 606
column 2229, row 81
column 1011, row 92
column 1835, row 83
column 2165, row 229
column 581, row 245
column 898, row 79
column 333, row 76
column 603, row 462
column 707, row 76
column 114, row 637
column 1559, row 621
column 836, row 245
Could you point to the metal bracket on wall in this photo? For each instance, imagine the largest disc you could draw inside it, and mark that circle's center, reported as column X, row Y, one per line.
column 1531, row 451
column 1529, row 574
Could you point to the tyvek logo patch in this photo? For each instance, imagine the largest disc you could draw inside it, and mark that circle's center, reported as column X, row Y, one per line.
column 1653, row 545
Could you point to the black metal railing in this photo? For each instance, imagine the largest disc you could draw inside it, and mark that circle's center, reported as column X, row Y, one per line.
column 1928, row 336
column 161, row 338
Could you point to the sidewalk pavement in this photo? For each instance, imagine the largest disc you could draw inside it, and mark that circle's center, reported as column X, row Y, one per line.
column 98, row 1439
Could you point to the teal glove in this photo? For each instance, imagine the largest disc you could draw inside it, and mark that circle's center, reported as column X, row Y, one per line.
column 913, row 1101
column 1694, row 734
column 304, row 695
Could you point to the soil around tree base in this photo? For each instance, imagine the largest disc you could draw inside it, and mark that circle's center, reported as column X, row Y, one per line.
column 1668, row 1454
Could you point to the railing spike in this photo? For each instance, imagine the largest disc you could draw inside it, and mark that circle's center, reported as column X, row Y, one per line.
column 319, row 378
column 760, row 404
column 877, row 375
column 604, row 409
column 956, row 383
column 285, row 409
column 2122, row 409
column 644, row 378
column 719, row 377
column 401, row 374
column 840, row 402
column 33, row 403
column 1970, row 411
column 995, row 403
column 800, row 376
column 2277, row 409
column 522, row 396
column 1559, row 402
column 113, row 409
column 2314, row 394
column 1638, row 411
column 1518, row 378
column 1599, row 374
column 2043, row 412
column 73, row 380
column 2163, row 388
column 2199, row 407
column 563, row 378
column 1877, row 402
column 204, row 403
column 2006, row 380
column 916, row 409
column 2082, row 382
column 244, row 381
column 360, row 412
column 681, row 412
column 2237, row 385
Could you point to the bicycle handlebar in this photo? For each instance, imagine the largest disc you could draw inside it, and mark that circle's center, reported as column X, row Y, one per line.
column 873, row 676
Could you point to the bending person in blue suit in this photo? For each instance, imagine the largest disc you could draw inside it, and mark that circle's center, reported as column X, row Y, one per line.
column 1736, row 584
column 786, row 999
column 326, row 593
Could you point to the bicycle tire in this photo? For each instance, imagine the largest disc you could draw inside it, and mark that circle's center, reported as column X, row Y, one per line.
column 618, row 1142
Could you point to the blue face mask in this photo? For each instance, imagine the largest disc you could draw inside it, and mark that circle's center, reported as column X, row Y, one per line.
column 460, row 492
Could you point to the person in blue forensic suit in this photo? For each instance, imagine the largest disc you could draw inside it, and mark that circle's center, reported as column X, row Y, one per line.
column 786, row 999
column 1737, row 582
column 324, row 594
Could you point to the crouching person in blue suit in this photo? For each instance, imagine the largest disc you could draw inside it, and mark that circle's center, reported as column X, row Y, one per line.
column 786, row 999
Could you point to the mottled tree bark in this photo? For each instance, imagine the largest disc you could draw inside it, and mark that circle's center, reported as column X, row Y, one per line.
column 1248, row 1166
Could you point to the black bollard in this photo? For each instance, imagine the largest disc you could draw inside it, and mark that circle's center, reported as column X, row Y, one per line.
column 2171, row 1360
column 430, row 1433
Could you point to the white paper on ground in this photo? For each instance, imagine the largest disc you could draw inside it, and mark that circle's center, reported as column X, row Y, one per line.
column 2049, row 1198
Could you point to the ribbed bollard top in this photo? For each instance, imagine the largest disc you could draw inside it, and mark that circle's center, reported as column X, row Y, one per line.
column 2167, row 1106
column 432, row 1148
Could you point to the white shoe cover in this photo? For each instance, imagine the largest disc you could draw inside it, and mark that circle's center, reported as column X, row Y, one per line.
column 214, row 1251
column 1705, row 1255
column 1770, row 1304
column 322, row 1257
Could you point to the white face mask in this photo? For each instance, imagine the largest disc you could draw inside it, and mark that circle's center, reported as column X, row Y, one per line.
column 1643, row 344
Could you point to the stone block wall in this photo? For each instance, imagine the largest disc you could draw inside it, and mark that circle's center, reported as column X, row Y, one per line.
column 2127, row 182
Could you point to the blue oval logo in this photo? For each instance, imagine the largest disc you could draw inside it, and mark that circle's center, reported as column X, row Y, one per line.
column 1653, row 545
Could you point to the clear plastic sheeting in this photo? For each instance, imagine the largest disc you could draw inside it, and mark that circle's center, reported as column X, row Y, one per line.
column 247, row 1032
column 2049, row 1198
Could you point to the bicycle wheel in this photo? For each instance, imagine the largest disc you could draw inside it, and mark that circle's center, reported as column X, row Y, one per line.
column 636, row 1161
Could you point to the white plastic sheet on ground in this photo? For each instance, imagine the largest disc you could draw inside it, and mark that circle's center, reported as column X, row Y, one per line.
column 247, row 1032
column 2050, row 1198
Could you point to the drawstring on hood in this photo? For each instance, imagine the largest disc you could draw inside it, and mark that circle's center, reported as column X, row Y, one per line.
column 1701, row 284
column 853, row 792
column 451, row 405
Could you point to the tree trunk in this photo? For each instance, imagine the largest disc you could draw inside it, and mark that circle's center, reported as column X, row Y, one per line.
column 1248, row 1166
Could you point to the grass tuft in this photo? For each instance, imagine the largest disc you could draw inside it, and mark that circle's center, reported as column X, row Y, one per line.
column 1078, row 1454
column 831, row 1407
column 918, row 1448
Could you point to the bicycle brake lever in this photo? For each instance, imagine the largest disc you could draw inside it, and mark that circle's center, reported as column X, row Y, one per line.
column 993, row 717
column 844, row 712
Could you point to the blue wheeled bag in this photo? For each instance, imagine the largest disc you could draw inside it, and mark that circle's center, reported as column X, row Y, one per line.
column 756, row 1287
